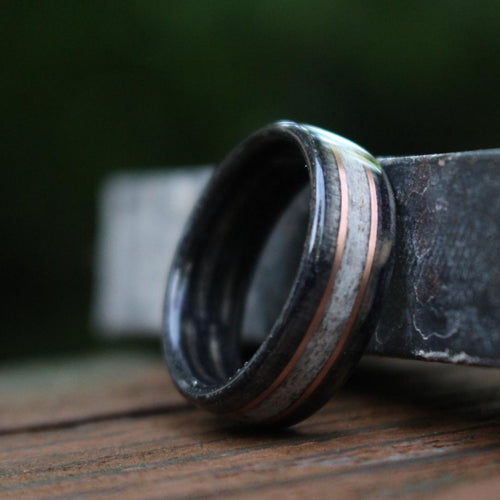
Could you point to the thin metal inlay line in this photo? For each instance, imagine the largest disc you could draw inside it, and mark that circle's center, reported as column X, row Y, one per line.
column 370, row 257
column 318, row 316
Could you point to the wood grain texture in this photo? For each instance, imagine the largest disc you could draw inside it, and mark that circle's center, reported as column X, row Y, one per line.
column 67, row 391
column 109, row 427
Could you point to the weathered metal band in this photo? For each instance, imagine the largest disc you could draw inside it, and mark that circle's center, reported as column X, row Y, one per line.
column 443, row 303
column 444, row 300
column 327, row 318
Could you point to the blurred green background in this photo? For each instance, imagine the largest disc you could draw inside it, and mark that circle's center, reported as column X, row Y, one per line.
column 92, row 87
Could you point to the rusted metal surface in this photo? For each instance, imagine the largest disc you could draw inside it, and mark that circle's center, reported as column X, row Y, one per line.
column 444, row 299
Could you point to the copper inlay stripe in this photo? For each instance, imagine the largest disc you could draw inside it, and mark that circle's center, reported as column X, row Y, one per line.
column 370, row 256
column 318, row 316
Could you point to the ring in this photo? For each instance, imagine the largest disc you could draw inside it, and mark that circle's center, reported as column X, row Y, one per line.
column 330, row 309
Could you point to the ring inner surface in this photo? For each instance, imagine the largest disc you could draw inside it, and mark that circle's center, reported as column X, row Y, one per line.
column 275, row 272
column 243, row 251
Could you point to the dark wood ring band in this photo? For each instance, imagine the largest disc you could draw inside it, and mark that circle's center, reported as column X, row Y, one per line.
column 328, row 317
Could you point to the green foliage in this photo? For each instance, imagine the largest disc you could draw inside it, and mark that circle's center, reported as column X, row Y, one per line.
column 90, row 87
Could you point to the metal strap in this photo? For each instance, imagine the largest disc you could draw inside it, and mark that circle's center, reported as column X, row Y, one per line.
column 444, row 299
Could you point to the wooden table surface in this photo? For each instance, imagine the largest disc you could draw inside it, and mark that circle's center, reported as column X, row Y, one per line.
column 114, row 426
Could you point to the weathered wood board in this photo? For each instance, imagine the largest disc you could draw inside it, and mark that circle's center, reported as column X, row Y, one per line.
column 113, row 426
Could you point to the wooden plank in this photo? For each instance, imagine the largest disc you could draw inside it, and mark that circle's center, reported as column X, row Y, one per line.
column 61, row 392
column 399, row 429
